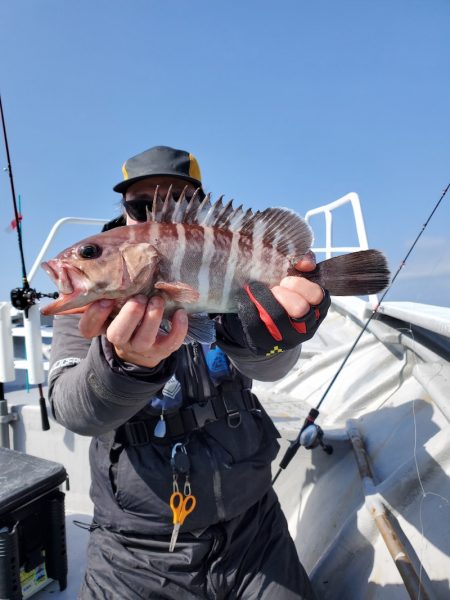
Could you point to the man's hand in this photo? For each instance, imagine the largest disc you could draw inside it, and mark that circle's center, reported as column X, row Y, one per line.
column 283, row 317
column 295, row 294
column 134, row 332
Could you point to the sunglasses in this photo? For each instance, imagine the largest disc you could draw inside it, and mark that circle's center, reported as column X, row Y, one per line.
column 138, row 208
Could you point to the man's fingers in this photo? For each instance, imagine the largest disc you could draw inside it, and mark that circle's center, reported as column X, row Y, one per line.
column 147, row 330
column 307, row 262
column 123, row 326
column 173, row 340
column 163, row 347
column 293, row 303
column 134, row 331
column 92, row 322
column 311, row 292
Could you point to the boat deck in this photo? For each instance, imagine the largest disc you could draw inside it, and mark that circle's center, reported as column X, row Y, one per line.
column 394, row 391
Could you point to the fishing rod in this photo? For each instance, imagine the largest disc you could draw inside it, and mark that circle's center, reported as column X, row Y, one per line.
column 13, row 192
column 310, row 434
column 25, row 297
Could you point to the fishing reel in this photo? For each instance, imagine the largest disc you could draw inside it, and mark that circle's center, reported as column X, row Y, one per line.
column 25, row 297
column 312, row 436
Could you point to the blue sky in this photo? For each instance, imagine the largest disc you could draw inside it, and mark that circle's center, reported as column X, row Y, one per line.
column 291, row 103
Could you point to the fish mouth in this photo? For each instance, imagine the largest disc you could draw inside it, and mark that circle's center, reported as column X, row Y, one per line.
column 69, row 281
column 60, row 275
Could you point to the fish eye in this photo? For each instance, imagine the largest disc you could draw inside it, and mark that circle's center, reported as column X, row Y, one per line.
column 89, row 251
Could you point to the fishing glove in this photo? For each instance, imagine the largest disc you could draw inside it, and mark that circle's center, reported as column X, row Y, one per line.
column 267, row 329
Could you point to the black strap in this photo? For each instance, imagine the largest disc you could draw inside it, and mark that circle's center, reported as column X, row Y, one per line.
column 228, row 405
column 117, row 222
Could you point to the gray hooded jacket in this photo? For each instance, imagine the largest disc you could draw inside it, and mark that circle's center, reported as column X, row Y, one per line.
column 93, row 393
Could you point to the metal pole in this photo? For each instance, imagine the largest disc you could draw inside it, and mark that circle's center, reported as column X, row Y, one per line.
column 4, row 423
column 415, row 586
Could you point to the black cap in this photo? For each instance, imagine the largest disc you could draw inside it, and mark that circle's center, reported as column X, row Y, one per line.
column 160, row 161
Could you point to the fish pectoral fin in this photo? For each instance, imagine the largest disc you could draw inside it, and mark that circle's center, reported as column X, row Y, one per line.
column 75, row 311
column 178, row 291
column 200, row 329
column 140, row 261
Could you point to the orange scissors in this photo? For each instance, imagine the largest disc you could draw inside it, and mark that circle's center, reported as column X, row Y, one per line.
column 181, row 507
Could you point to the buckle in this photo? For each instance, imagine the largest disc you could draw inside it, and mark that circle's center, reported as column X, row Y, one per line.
column 234, row 419
column 203, row 413
column 233, row 415
column 137, row 433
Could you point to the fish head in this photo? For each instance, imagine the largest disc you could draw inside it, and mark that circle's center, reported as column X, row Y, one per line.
column 109, row 265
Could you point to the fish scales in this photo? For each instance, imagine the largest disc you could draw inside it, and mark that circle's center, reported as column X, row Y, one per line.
column 180, row 252
column 198, row 256
column 192, row 255
column 222, row 245
column 214, row 261
column 231, row 276
column 180, row 248
column 204, row 273
column 191, row 263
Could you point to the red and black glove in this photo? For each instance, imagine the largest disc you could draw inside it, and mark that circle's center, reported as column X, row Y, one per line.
column 267, row 329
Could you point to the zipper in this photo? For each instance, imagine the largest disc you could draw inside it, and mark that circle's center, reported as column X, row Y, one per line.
column 194, row 384
column 198, row 379
column 203, row 385
column 217, row 481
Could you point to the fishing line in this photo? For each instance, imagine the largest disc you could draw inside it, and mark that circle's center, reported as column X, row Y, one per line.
column 424, row 493
column 314, row 412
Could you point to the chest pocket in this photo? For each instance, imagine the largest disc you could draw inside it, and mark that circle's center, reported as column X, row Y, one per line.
column 255, row 440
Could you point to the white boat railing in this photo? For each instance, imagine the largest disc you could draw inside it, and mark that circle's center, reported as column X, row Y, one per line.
column 54, row 230
column 327, row 211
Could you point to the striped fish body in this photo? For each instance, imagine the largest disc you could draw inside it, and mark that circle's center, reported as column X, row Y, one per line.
column 198, row 267
column 198, row 255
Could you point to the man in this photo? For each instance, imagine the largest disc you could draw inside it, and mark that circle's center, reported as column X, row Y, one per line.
column 167, row 416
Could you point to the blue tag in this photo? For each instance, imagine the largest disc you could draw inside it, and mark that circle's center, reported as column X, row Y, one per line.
column 160, row 429
column 170, row 397
column 217, row 363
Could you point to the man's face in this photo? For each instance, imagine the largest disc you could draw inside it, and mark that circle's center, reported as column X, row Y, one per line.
column 144, row 190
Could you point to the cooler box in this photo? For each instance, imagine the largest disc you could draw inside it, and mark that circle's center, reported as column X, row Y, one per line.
column 32, row 525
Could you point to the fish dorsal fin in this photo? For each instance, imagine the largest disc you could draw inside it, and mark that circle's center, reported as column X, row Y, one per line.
column 193, row 207
column 280, row 227
column 157, row 207
column 284, row 229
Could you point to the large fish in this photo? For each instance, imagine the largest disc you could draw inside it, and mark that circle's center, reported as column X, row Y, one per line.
column 198, row 255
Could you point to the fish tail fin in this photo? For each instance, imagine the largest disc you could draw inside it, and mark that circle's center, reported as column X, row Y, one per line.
column 355, row 274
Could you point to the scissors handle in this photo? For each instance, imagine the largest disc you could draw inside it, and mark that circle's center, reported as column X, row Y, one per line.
column 176, row 504
column 181, row 506
column 187, row 507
